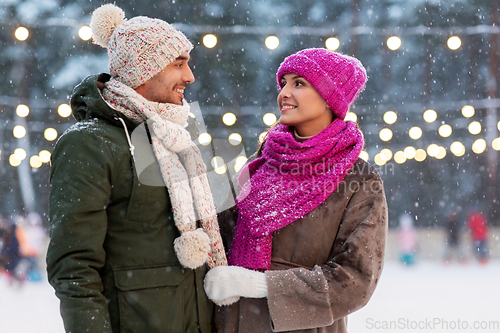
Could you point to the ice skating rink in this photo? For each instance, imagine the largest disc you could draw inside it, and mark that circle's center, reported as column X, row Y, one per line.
column 429, row 297
column 433, row 297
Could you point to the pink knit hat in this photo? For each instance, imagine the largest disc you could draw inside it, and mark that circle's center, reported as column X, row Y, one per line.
column 138, row 48
column 338, row 78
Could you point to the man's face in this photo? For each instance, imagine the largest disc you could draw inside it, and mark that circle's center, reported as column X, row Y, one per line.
column 168, row 85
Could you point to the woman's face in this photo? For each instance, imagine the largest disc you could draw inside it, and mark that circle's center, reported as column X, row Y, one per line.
column 302, row 106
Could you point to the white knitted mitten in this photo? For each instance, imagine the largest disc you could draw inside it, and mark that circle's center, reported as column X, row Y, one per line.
column 224, row 284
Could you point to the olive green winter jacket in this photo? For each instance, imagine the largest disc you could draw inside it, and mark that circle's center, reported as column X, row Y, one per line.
column 111, row 258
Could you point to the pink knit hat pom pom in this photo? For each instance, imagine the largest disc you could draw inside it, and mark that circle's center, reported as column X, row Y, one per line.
column 104, row 21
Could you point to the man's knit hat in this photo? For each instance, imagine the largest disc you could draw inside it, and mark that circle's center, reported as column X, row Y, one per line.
column 338, row 78
column 138, row 48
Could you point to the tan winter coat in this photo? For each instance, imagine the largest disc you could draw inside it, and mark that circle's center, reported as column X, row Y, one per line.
column 324, row 266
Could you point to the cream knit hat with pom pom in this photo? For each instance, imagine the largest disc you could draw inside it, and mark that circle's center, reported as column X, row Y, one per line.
column 138, row 48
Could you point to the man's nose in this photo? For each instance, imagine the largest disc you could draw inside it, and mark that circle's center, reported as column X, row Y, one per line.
column 188, row 75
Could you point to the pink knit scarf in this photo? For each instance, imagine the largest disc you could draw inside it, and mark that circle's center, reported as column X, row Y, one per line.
column 288, row 181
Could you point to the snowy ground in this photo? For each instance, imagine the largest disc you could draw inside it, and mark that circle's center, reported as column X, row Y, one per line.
column 427, row 297
column 433, row 297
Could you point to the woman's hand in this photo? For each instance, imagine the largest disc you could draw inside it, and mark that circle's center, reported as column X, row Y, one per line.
column 226, row 284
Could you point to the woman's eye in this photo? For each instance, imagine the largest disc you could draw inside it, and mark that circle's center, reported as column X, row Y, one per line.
column 299, row 83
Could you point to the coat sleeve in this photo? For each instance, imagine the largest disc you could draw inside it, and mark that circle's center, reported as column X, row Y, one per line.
column 80, row 190
column 300, row 298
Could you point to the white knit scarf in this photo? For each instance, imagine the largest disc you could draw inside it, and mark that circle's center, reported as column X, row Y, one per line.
column 186, row 182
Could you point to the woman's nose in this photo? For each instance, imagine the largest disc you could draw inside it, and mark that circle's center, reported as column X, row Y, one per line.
column 285, row 92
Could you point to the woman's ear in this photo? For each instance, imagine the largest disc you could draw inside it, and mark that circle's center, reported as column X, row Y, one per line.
column 331, row 113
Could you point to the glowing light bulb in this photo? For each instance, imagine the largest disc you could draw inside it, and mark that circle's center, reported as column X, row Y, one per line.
column 393, row 43
column 379, row 160
column 399, row 157
column 430, row 116
column 219, row 165
column 272, row 42
column 415, row 133
column 457, row 148
column 235, row 139
column 474, row 128
column 239, row 163
column 332, row 43
column 20, row 154
column 385, row 134
column 19, row 131
column 420, row 155
column 495, row 144
column 454, row 43
column 390, row 117
column 351, row 116
column 386, row 154
column 64, row 110
column 22, row 110
column 364, row 155
column 50, row 134
column 441, row 154
column 209, row 41
column 433, row 150
column 14, row 161
column 410, row 152
column 479, row 146
column 229, row 119
column 44, row 156
column 445, row 130
column 217, row 162
column 262, row 136
column 269, row 119
column 35, row 162
column 22, row 33
column 85, row 33
column 468, row 111
column 204, row 139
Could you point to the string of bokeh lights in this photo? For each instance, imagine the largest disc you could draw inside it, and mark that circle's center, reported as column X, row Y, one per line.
column 272, row 42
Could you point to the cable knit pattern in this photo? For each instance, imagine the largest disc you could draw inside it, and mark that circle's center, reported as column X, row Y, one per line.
column 187, row 183
column 287, row 182
column 138, row 48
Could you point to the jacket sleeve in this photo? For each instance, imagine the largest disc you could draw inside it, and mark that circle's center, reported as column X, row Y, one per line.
column 300, row 298
column 79, row 193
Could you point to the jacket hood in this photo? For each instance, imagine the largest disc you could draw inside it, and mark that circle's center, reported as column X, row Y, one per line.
column 87, row 102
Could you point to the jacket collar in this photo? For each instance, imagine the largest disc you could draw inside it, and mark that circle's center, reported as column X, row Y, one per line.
column 87, row 103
